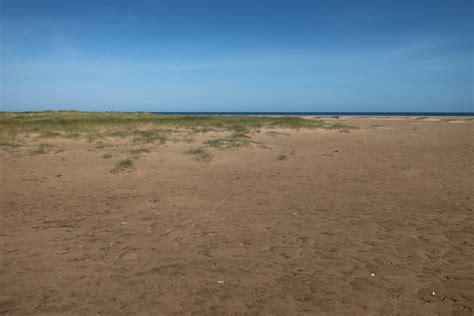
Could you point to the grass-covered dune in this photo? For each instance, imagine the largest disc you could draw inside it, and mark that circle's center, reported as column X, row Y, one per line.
column 139, row 125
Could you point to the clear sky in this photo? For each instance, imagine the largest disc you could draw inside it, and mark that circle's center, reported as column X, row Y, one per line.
column 360, row 55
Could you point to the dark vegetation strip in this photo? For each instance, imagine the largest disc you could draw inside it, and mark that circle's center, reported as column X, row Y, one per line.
column 142, row 127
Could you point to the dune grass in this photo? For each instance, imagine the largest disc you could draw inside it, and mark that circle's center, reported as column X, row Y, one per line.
column 9, row 143
column 199, row 154
column 139, row 151
column 150, row 136
column 41, row 150
column 230, row 142
column 61, row 123
column 50, row 134
column 100, row 144
column 282, row 157
column 123, row 166
column 106, row 156
column 142, row 127
column 8, row 139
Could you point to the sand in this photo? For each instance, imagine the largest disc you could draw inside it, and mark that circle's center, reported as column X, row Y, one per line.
column 375, row 221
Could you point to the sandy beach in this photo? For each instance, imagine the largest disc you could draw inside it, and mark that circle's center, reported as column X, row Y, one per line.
column 377, row 219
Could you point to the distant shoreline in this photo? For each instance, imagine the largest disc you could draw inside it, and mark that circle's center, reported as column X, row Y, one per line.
column 243, row 113
column 324, row 113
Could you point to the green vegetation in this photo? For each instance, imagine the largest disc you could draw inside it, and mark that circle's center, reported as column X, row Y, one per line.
column 42, row 149
column 8, row 139
column 227, row 143
column 142, row 127
column 341, row 127
column 200, row 154
column 122, row 166
column 196, row 130
column 275, row 134
column 71, row 135
column 106, row 156
column 63, row 122
column 101, row 144
column 282, row 157
column 149, row 136
column 9, row 142
column 139, row 151
column 50, row 134
column 239, row 131
column 187, row 140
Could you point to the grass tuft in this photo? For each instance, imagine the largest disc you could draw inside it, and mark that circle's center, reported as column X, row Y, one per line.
column 9, row 144
column 50, row 134
column 200, row 154
column 8, row 140
column 41, row 150
column 150, row 136
column 100, row 144
column 123, row 166
column 72, row 135
column 338, row 126
column 106, row 156
column 139, row 151
column 227, row 143
column 196, row 130
column 239, row 131
column 282, row 157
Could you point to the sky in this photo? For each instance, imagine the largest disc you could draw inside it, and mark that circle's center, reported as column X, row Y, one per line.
column 364, row 55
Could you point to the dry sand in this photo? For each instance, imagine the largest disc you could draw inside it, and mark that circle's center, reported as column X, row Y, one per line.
column 375, row 221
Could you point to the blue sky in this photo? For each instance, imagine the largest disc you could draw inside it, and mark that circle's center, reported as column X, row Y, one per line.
column 368, row 55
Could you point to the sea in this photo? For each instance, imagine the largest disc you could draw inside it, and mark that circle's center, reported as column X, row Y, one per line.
column 325, row 113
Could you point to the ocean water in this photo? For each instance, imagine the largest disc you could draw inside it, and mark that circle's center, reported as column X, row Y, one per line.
column 326, row 113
